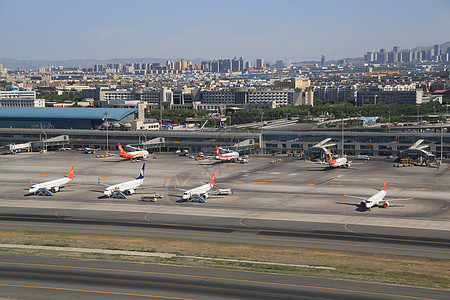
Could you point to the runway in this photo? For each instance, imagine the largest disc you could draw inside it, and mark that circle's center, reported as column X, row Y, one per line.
column 55, row 278
column 403, row 241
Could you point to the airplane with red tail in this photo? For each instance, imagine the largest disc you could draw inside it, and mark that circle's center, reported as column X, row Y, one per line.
column 141, row 154
column 49, row 187
column 377, row 199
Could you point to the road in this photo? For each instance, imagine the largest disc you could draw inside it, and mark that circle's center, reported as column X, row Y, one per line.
column 56, row 278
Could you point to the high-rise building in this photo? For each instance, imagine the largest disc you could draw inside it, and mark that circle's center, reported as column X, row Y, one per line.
column 437, row 50
column 260, row 63
column 322, row 60
column 395, row 48
column 236, row 65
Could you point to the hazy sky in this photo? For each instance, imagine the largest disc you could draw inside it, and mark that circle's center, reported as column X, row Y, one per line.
column 295, row 29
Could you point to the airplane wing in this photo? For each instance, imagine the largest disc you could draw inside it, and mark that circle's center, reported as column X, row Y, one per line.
column 180, row 189
column 98, row 182
column 356, row 197
column 317, row 162
column 397, row 199
column 352, row 163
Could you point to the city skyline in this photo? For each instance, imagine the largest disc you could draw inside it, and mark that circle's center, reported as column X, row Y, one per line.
column 300, row 31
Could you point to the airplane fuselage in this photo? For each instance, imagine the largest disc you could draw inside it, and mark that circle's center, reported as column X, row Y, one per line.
column 228, row 156
column 375, row 199
column 128, row 187
column 53, row 185
column 201, row 190
column 135, row 154
column 340, row 162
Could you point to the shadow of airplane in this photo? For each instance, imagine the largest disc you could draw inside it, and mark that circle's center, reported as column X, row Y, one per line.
column 359, row 207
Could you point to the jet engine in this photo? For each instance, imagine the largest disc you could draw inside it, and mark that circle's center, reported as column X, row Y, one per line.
column 55, row 189
column 205, row 196
column 385, row 204
column 363, row 203
column 129, row 192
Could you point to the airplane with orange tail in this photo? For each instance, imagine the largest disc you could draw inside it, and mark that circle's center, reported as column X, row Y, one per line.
column 50, row 187
column 199, row 194
column 377, row 199
column 340, row 162
column 141, row 154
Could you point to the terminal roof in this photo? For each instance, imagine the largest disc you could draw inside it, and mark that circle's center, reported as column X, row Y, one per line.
column 64, row 113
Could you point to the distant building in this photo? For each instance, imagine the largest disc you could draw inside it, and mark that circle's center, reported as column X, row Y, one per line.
column 377, row 94
column 253, row 98
column 292, row 83
column 16, row 98
column 322, row 60
column 260, row 63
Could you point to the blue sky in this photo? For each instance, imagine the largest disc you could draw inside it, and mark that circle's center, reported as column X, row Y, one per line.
column 299, row 30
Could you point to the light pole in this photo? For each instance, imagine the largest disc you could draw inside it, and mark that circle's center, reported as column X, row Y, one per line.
column 45, row 141
column 442, row 138
column 107, row 125
column 261, row 139
column 418, row 105
column 342, row 118
column 389, row 121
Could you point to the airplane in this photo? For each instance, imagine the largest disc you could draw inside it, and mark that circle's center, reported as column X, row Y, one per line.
column 377, row 199
column 340, row 162
column 230, row 156
column 50, row 187
column 133, row 155
column 120, row 190
column 199, row 194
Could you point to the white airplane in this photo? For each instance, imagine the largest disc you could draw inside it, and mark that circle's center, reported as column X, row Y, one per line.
column 341, row 162
column 50, row 187
column 230, row 156
column 133, row 155
column 120, row 190
column 199, row 194
column 377, row 199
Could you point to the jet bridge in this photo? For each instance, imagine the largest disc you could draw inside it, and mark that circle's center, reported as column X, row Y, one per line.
column 54, row 142
column 151, row 145
column 320, row 150
column 245, row 145
column 417, row 154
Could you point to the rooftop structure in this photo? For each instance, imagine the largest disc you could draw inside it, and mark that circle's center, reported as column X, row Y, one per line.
column 63, row 118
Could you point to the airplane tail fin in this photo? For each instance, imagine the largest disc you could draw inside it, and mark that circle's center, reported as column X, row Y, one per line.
column 121, row 149
column 384, row 186
column 212, row 181
column 218, row 152
column 141, row 174
column 331, row 161
column 70, row 176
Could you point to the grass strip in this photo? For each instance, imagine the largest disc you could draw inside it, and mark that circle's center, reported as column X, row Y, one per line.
column 349, row 265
